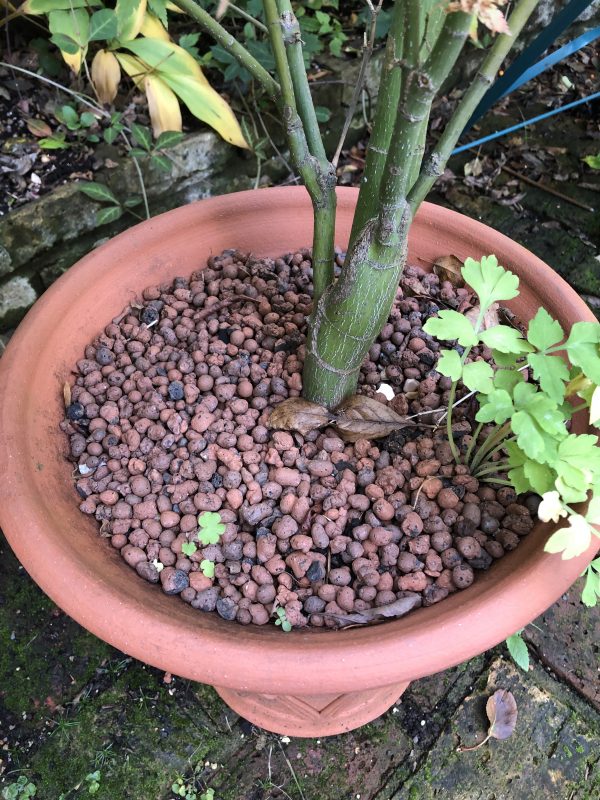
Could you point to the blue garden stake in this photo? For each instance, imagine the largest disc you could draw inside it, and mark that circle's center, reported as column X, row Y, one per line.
column 525, row 63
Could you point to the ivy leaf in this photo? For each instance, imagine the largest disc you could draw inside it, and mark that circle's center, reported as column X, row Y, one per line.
column 544, row 331
column 505, row 339
column 540, row 477
column 490, row 281
column 477, row 376
column 551, row 372
column 496, row 407
column 449, row 325
column 449, row 364
column 518, row 650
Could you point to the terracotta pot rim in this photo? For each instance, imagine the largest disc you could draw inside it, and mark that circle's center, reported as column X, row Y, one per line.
column 179, row 639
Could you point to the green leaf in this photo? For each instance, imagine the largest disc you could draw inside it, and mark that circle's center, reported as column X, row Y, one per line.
column 544, row 331
column 45, row 6
column 110, row 214
column 87, row 119
column 569, row 494
column 68, row 116
column 74, row 23
column 130, row 15
column 99, row 192
column 581, row 451
column 583, row 350
column 449, row 325
column 55, row 142
column 188, row 548
column 142, row 135
column 162, row 162
column 504, row 339
column 572, row 541
column 323, row 113
column 540, row 477
column 65, row 43
column 505, row 359
column 110, row 135
column 518, row 650
column 449, row 364
column 159, row 9
column 520, row 483
column 496, row 407
column 169, row 139
column 593, row 161
column 591, row 590
column 103, row 25
column 477, row 376
column 529, row 437
column 490, row 281
column 132, row 202
column 211, row 527
column 551, row 372
column 208, row 568
column 507, row 379
column 137, row 152
column 593, row 512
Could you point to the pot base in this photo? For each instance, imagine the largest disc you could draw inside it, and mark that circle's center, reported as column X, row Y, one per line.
column 312, row 715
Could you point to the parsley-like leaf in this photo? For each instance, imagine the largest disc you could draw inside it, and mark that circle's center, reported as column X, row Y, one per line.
column 496, row 407
column 449, row 364
column 449, row 325
column 505, row 339
column 551, row 372
column 492, row 282
column 544, row 331
column 477, row 376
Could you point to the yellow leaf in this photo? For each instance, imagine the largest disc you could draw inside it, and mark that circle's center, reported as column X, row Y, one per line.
column 106, row 75
column 206, row 104
column 134, row 68
column 166, row 56
column 172, row 7
column 153, row 28
column 130, row 15
column 163, row 106
column 76, row 25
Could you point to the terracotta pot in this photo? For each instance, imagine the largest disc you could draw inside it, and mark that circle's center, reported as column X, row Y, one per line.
column 310, row 683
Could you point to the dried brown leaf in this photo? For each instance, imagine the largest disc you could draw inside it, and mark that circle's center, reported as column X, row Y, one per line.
column 448, row 268
column 38, row 127
column 299, row 415
column 361, row 417
column 501, row 710
column 398, row 608
column 491, row 317
column 67, row 394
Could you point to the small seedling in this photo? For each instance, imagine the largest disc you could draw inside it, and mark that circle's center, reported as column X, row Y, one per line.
column 211, row 528
column 208, row 568
column 188, row 792
column 188, row 548
column 518, row 650
column 145, row 148
column 114, row 209
column 22, row 789
column 282, row 620
column 92, row 780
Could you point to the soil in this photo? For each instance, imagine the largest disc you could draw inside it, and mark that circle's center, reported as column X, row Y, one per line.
column 169, row 418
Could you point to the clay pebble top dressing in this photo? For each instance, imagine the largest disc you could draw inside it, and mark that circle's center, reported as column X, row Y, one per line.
column 169, row 419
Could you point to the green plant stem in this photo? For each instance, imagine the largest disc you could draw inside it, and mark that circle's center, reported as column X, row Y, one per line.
column 284, row 27
column 491, row 440
column 388, row 98
column 352, row 311
column 498, row 481
column 500, row 466
column 473, row 442
column 245, row 15
column 436, row 163
column 228, row 42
